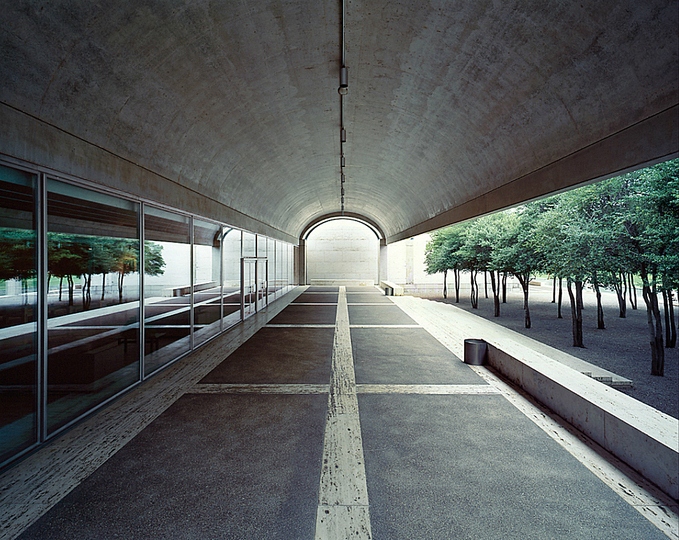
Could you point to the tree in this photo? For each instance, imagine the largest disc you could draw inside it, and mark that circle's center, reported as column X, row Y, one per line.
column 18, row 258
column 442, row 254
column 435, row 257
column 519, row 253
column 559, row 236
column 652, row 225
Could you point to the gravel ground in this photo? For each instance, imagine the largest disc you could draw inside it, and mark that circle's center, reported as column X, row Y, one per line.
column 623, row 347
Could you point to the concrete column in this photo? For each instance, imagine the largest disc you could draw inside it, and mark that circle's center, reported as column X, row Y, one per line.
column 410, row 260
column 300, row 259
column 383, row 262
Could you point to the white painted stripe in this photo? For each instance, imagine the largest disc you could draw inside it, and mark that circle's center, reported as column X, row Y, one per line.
column 313, row 304
column 652, row 503
column 300, row 325
column 343, row 510
column 217, row 388
column 388, row 304
column 428, row 389
column 386, row 326
column 302, row 389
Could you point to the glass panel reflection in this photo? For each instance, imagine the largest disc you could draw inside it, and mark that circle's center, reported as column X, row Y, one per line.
column 207, row 291
column 248, row 244
column 167, row 287
column 271, row 253
column 93, row 299
column 280, row 276
column 249, row 287
column 261, row 246
column 18, row 312
column 231, row 254
column 261, row 284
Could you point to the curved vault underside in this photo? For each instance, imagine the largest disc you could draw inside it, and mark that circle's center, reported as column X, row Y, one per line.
column 452, row 110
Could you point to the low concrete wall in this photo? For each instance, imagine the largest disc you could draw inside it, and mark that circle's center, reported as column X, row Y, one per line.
column 391, row 289
column 641, row 436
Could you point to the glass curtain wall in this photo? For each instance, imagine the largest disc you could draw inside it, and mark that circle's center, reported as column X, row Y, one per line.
column 280, row 277
column 207, row 290
column 271, row 260
column 231, row 254
column 291, row 266
column 262, row 272
column 18, row 312
column 249, row 244
column 70, row 297
column 92, row 300
column 167, row 287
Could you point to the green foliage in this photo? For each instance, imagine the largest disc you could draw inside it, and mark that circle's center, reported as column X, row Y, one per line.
column 599, row 234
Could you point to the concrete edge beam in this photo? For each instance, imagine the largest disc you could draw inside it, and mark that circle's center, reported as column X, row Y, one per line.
column 639, row 435
column 51, row 149
column 650, row 141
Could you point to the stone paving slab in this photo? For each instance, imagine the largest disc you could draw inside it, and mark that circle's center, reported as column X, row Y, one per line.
column 306, row 315
column 359, row 298
column 406, row 356
column 279, row 355
column 211, row 466
column 320, row 298
column 387, row 314
column 322, row 289
column 474, row 467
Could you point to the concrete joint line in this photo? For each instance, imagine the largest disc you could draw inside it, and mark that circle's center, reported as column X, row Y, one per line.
column 300, row 325
column 293, row 389
column 428, row 389
column 386, row 326
column 343, row 510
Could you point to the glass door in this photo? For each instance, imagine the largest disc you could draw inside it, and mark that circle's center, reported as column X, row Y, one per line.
column 248, row 286
column 262, row 283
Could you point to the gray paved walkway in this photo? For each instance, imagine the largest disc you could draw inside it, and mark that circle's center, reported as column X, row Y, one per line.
column 343, row 418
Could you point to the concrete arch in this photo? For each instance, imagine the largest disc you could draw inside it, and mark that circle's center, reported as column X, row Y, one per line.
column 374, row 227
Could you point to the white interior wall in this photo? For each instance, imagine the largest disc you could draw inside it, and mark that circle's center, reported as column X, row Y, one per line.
column 342, row 249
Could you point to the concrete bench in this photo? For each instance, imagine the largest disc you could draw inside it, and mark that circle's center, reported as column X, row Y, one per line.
column 391, row 289
column 641, row 436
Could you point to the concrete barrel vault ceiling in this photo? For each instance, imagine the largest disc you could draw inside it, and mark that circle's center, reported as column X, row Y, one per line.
column 454, row 109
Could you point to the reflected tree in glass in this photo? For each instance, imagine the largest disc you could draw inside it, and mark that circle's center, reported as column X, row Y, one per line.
column 18, row 312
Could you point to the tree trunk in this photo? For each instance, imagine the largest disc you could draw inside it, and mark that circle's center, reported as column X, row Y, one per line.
column 495, row 284
column 456, row 271
column 474, row 295
column 654, row 328
column 61, row 281
column 558, row 308
column 554, row 291
column 504, row 287
column 524, row 280
column 620, row 286
column 576, row 313
column 632, row 291
column 673, row 325
column 599, row 308
column 527, row 323
column 87, row 294
column 69, row 279
column 670, row 326
column 121, row 276
column 485, row 282
column 103, row 286
column 445, row 288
